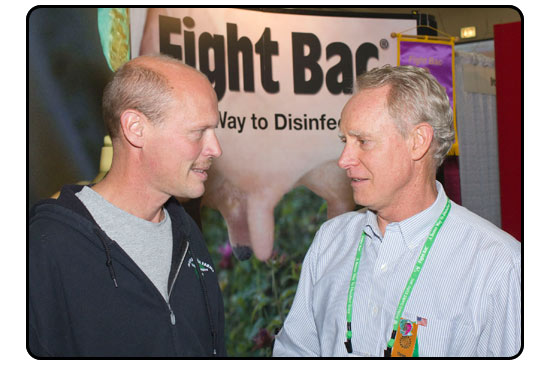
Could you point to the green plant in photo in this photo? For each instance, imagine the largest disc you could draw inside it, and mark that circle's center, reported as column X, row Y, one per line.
column 258, row 295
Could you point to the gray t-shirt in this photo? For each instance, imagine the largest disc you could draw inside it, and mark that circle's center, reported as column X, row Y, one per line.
column 148, row 244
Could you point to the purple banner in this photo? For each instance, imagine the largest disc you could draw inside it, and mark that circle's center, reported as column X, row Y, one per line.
column 436, row 57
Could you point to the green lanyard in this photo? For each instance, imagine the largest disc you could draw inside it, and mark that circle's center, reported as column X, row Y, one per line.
column 410, row 284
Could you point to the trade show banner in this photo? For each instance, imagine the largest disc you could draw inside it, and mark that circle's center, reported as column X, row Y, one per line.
column 438, row 57
column 282, row 80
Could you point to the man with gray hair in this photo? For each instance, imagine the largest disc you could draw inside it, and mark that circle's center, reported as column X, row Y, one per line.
column 414, row 274
column 119, row 268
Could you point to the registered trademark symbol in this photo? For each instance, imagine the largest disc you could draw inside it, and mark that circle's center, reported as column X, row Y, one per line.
column 384, row 44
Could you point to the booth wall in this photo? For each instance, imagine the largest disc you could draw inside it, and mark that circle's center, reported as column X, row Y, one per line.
column 508, row 70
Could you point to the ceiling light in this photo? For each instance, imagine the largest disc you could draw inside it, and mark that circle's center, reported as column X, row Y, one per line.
column 468, row 32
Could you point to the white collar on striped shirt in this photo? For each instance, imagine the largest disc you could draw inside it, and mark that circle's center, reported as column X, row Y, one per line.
column 371, row 228
column 414, row 229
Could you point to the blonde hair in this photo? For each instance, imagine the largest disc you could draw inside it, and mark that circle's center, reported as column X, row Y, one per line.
column 135, row 86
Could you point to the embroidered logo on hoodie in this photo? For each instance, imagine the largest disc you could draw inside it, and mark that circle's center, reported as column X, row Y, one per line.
column 203, row 266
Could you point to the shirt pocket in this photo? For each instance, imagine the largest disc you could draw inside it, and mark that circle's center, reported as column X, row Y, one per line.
column 447, row 337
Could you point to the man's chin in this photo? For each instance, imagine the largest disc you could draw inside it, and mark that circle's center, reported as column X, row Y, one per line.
column 190, row 193
column 197, row 192
column 361, row 201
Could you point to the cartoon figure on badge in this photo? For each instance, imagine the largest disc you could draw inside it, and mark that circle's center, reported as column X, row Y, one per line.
column 405, row 342
column 405, row 327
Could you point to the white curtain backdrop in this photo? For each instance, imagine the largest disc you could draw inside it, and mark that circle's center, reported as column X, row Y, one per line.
column 477, row 136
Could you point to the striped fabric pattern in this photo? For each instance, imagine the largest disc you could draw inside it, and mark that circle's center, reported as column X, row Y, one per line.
column 468, row 293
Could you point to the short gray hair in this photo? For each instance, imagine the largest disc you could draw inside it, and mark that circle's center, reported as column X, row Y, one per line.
column 415, row 96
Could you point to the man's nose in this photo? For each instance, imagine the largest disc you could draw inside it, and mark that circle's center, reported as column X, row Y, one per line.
column 213, row 148
column 347, row 158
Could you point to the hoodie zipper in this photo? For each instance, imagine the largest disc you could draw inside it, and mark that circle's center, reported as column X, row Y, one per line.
column 172, row 315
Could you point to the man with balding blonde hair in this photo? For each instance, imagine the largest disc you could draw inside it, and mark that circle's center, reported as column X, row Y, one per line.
column 119, row 268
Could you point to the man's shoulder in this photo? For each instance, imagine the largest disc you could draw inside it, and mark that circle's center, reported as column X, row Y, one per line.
column 59, row 220
column 66, row 202
column 484, row 231
column 342, row 229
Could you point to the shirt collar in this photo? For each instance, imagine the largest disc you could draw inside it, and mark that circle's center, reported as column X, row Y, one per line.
column 371, row 228
column 414, row 229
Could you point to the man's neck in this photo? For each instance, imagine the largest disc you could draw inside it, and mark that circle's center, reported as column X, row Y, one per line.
column 126, row 193
column 408, row 205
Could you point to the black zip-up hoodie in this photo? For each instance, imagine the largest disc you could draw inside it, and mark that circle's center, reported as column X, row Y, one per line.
column 87, row 298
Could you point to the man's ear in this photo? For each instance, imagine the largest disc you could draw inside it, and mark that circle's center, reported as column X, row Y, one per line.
column 132, row 124
column 421, row 136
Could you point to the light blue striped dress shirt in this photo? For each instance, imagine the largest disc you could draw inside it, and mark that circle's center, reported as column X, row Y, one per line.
column 469, row 290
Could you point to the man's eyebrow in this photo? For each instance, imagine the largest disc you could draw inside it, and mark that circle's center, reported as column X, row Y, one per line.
column 355, row 133
column 206, row 125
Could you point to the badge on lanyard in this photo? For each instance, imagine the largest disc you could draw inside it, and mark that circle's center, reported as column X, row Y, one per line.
column 405, row 341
